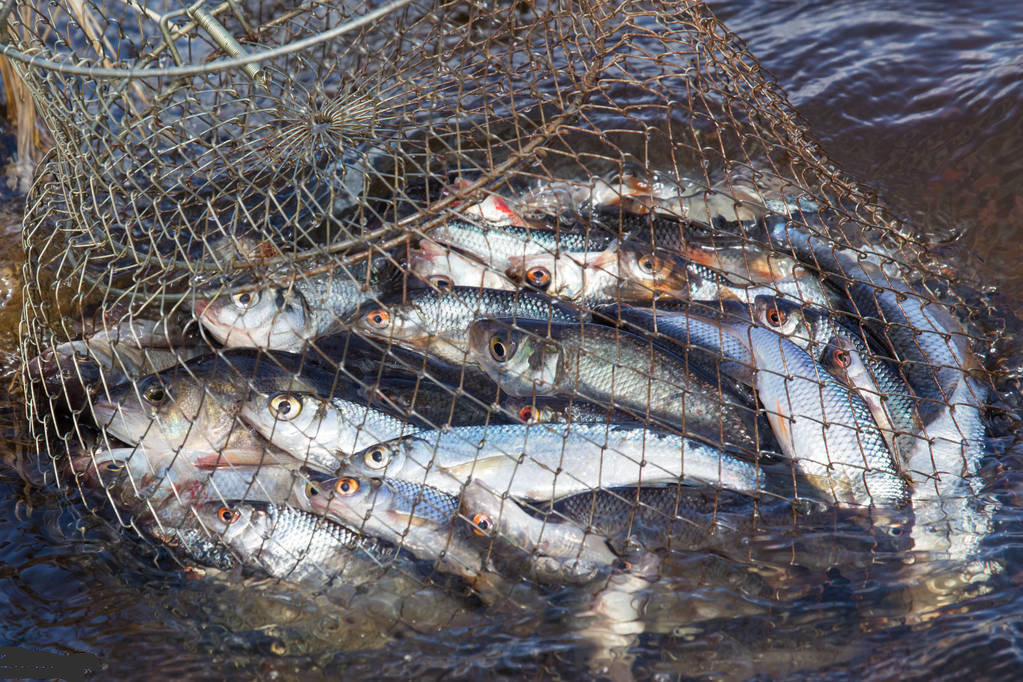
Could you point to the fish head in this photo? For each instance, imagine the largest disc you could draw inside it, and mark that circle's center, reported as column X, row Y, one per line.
column 841, row 360
column 443, row 269
column 519, row 360
column 354, row 502
column 556, row 274
column 382, row 459
column 281, row 415
column 646, row 273
column 243, row 525
column 159, row 412
column 271, row 318
column 785, row 317
column 404, row 323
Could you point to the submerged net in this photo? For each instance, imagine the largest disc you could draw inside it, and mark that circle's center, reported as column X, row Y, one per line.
column 481, row 301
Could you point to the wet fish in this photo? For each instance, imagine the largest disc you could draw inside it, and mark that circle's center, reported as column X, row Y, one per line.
column 625, row 272
column 317, row 430
column 437, row 322
column 555, row 552
column 289, row 317
column 541, row 410
column 497, row 244
column 608, row 366
column 416, row 518
column 551, row 461
column 434, row 404
column 194, row 406
column 290, row 544
column 933, row 351
column 167, row 485
column 443, row 267
column 822, row 425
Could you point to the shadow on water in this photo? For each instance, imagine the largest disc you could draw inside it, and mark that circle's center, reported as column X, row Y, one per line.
column 929, row 117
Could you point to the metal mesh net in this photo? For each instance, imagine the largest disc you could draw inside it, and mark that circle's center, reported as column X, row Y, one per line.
column 491, row 298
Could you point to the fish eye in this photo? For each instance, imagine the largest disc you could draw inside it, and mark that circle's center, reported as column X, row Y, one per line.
column 442, row 282
column 841, row 357
column 499, row 350
column 285, row 406
column 482, row 523
column 346, row 486
column 647, row 264
column 377, row 458
column 227, row 515
column 154, row 394
column 527, row 414
column 539, row 277
column 378, row 318
column 310, row 490
column 245, row 299
column 776, row 317
column 113, row 467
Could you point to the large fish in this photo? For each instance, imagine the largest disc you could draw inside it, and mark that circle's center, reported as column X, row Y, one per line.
column 608, row 366
column 551, row 461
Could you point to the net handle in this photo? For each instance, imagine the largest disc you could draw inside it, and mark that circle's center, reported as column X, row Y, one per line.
column 179, row 71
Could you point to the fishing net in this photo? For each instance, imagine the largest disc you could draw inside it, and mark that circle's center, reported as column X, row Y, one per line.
column 291, row 210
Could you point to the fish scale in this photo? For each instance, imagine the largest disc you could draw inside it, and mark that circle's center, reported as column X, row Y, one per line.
column 823, row 426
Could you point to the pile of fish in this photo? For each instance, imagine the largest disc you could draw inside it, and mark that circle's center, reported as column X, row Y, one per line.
column 489, row 400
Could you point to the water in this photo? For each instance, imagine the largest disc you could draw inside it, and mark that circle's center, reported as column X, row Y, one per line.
column 919, row 100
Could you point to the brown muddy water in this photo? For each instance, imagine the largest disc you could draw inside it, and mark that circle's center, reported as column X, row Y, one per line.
column 923, row 101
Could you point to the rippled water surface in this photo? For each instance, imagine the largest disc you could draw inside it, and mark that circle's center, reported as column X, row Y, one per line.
column 922, row 101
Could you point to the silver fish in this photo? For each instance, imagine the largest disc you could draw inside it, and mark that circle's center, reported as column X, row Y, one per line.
column 822, row 425
column 622, row 272
column 556, row 552
column 319, row 431
column 194, row 407
column 437, row 322
column 443, row 267
column 551, row 461
column 608, row 366
column 288, row 317
column 290, row 544
column 416, row 518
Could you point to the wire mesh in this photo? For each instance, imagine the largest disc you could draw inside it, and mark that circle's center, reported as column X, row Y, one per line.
column 522, row 294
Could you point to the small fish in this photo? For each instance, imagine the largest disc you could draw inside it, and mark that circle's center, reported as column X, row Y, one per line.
column 416, row 518
column 445, row 268
column 541, row 410
column 556, row 552
column 166, row 484
column 495, row 245
column 822, row 425
column 290, row 544
column 551, row 461
column 621, row 273
column 289, row 317
column 436, row 322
